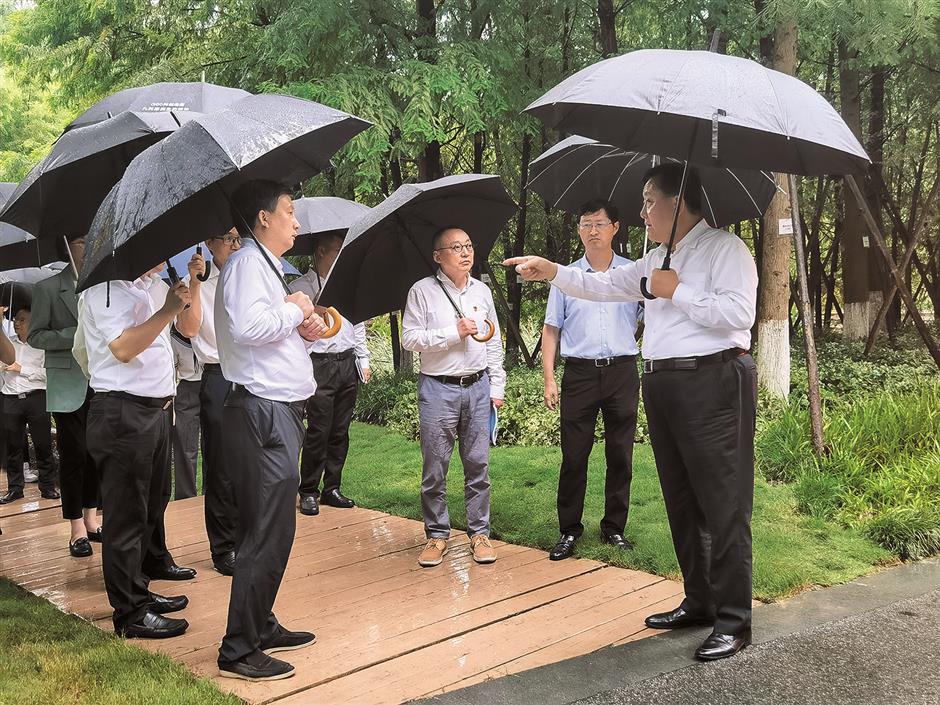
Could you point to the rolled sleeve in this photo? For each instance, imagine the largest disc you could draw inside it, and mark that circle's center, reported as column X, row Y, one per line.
column 110, row 317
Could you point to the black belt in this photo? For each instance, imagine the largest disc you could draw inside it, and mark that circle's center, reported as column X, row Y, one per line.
column 23, row 395
column 691, row 363
column 601, row 362
column 213, row 368
column 158, row 402
column 343, row 355
column 464, row 381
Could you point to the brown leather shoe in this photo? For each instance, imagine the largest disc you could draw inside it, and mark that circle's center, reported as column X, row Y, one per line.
column 483, row 551
column 433, row 553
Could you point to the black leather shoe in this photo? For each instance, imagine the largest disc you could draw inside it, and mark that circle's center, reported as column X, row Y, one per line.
column 718, row 646
column 286, row 640
column 256, row 667
column 164, row 605
column 50, row 494
column 172, row 572
column 619, row 541
column 563, row 549
column 225, row 563
column 335, row 498
column 309, row 505
column 95, row 535
column 152, row 626
column 80, row 548
column 677, row 619
column 11, row 496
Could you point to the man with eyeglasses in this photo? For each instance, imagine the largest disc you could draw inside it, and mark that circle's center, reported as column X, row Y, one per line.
column 598, row 344
column 461, row 377
column 198, row 324
column 330, row 409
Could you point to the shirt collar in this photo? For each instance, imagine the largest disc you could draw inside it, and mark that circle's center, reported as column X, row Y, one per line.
column 586, row 263
column 145, row 281
column 448, row 281
column 691, row 238
column 257, row 243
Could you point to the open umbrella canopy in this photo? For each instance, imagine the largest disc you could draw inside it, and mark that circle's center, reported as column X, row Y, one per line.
column 389, row 249
column 321, row 216
column 578, row 169
column 61, row 194
column 711, row 109
column 178, row 191
column 16, row 286
column 17, row 247
column 161, row 98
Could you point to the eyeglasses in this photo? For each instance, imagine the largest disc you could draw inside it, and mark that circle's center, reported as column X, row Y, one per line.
column 592, row 227
column 229, row 239
column 457, row 249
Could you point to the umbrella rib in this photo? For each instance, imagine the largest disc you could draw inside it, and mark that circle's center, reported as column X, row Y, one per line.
column 583, row 171
column 552, row 164
column 711, row 208
column 746, row 192
column 633, row 159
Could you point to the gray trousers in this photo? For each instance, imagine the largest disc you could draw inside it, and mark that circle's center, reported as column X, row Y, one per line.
column 262, row 454
column 185, row 438
column 449, row 412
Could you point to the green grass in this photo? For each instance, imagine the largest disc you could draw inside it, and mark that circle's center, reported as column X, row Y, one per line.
column 792, row 551
column 49, row 658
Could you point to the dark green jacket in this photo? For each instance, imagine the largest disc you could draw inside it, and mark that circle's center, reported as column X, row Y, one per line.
column 54, row 317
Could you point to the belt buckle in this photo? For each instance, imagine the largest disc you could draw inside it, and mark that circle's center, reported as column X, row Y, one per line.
column 648, row 366
column 604, row 362
column 465, row 380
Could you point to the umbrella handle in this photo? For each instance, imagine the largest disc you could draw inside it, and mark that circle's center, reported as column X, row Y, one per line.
column 489, row 333
column 643, row 290
column 205, row 276
column 333, row 320
column 174, row 277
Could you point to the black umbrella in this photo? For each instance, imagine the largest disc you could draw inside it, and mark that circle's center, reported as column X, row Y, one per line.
column 579, row 169
column 705, row 108
column 177, row 192
column 17, row 247
column 321, row 216
column 16, row 285
column 60, row 195
column 389, row 249
column 160, row 98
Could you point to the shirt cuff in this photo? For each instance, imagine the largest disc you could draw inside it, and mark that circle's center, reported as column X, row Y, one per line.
column 498, row 393
column 363, row 362
column 293, row 313
column 563, row 277
column 683, row 297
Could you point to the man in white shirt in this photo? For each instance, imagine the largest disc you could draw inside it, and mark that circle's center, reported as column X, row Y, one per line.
column 461, row 378
column 263, row 338
column 700, row 395
column 185, row 433
column 198, row 324
column 330, row 409
column 125, row 329
column 24, row 404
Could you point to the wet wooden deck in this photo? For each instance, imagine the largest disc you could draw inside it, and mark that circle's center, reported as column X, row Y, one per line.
column 387, row 630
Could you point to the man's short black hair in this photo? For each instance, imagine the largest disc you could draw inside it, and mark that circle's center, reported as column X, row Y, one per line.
column 667, row 178
column 62, row 250
column 436, row 240
column 253, row 197
column 600, row 204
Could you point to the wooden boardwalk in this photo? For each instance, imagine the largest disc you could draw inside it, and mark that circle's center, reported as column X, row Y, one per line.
column 387, row 630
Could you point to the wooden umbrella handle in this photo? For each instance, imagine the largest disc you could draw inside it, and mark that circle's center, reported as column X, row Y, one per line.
column 333, row 320
column 489, row 333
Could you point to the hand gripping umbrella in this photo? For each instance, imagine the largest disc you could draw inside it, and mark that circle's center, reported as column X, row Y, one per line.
column 320, row 217
column 388, row 250
column 705, row 108
column 177, row 192
column 578, row 169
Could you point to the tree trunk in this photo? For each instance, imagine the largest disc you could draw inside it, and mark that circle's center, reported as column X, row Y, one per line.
column 773, row 330
column 607, row 34
column 878, row 278
column 855, row 244
column 429, row 165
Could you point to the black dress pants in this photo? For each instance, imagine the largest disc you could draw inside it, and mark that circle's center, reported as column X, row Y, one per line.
column 184, row 438
column 79, row 479
column 130, row 443
column 220, row 507
column 586, row 390
column 18, row 413
column 702, row 431
column 329, row 413
column 262, row 451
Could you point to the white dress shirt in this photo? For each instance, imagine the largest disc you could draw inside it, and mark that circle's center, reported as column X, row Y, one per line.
column 256, row 330
column 713, row 307
column 349, row 335
column 429, row 327
column 150, row 374
column 204, row 343
column 32, row 374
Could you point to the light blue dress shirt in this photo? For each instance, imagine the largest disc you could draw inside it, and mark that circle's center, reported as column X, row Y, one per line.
column 594, row 330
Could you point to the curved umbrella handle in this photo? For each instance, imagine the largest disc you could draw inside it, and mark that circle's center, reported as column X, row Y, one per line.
column 489, row 333
column 205, row 275
column 643, row 290
column 333, row 320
